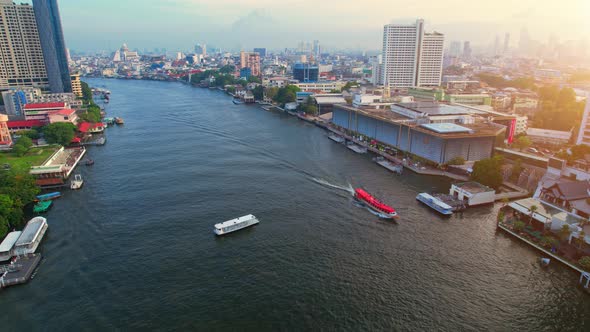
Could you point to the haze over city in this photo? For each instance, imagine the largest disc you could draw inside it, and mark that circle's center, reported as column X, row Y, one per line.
column 237, row 24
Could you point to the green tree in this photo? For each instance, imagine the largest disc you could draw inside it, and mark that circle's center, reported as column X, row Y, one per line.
column 488, row 172
column 516, row 170
column 549, row 241
column 16, row 190
column 227, row 69
column 522, row 142
column 86, row 93
column 19, row 150
column 32, row 133
column 258, row 92
column 254, row 79
column 518, row 226
column 456, row 161
column 25, row 141
column 271, row 92
column 286, row 94
column 59, row 133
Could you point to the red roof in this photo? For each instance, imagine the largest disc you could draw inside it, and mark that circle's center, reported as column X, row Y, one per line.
column 76, row 140
column 65, row 111
column 25, row 123
column 45, row 106
column 86, row 126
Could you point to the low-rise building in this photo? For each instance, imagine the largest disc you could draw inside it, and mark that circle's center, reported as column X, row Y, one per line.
column 473, row 193
column 65, row 115
column 433, row 131
column 469, row 99
column 324, row 87
column 547, row 136
column 525, row 103
column 40, row 111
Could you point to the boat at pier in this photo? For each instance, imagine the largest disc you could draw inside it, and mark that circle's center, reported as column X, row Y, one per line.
column 237, row 101
column 383, row 210
column 49, row 196
column 77, row 182
column 235, row 224
column 42, row 206
column 395, row 168
column 119, row 120
column 356, row 148
column 435, row 204
column 336, row 138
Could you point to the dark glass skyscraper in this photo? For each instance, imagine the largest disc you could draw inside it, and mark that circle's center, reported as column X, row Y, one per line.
column 53, row 45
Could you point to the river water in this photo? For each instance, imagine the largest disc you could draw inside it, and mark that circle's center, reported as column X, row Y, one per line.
column 134, row 249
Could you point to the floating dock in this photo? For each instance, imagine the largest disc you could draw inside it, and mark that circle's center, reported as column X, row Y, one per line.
column 395, row 168
column 456, row 204
column 19, row 271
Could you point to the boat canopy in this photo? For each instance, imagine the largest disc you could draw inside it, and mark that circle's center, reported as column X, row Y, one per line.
column 361, row 194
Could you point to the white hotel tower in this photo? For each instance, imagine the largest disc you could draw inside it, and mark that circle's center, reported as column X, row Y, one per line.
column 411, row 57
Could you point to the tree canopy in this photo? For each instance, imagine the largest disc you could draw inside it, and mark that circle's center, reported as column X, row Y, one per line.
column 559, row 109
column 16, row 191
column 286, row 94
column 59, row 133
column 488, row 172
column 499, row 82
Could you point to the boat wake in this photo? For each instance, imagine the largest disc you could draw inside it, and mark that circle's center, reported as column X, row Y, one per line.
column 323, row 182
column 364, row 206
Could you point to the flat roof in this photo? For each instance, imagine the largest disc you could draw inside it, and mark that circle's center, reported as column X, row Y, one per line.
column 473, row 187
column 446, row 128
column 234, row 221
column 434, row 108
column 9, row 241
column 31, row 231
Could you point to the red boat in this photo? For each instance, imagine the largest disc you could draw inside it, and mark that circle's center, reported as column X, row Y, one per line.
column 384, row 210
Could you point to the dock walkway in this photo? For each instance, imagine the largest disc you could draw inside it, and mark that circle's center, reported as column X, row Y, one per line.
column 20, row 271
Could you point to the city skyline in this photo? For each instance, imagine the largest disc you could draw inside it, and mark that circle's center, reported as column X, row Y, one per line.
column 234, row 25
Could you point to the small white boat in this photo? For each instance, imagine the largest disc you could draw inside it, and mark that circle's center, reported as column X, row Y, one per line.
column 235, row 224
column 545, row 261
column 77, row 182
column 435, row 203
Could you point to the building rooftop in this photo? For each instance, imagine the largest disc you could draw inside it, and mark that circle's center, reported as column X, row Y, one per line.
column 446, row 128
column 31, row 231
column 473, row 187
column 45, row 106
column 433, row 108
column 9, row 241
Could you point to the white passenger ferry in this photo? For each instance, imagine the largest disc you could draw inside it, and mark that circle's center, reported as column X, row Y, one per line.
column 235, row 224
column 435, row 203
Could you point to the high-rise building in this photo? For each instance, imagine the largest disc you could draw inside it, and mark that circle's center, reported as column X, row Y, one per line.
column 455, row 49
column 376, row 67
column 506, row 42
column 306, row 72
column 53, row 45
column 584, row 133
column 497, row 45
column 21, row 56
column 261, row 51
column 316, row 49
column 467, row 50
column 250, row 60
column 430, row 60
column 201, row 49
column 410, row 56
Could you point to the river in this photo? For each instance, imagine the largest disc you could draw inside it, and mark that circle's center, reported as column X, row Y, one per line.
column 134, row 249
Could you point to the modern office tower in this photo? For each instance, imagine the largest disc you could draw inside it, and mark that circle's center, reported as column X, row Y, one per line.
column 506, row 42
column 455, row 49
column 376, row 63
column 467, row 50
column 250, row 60
column 53, row 45
column 261, row 51
column 405, row 47
column 316, row 49
column 306, row 72
column 21, row 56
column 584, row 133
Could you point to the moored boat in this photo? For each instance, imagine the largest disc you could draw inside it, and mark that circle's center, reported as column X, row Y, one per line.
column 336, row 138
column 235, row 224
column 435, row 204
column 49, row 196
column 395, row 168
column 119, row 120
column 383, row 210
column 42, row 206
column 77, row 182
column 237, row 101
column 356, row 148
column 89, row 162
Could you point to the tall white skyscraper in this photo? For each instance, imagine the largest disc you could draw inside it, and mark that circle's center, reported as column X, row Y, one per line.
column 410, row 56
column 21, row 57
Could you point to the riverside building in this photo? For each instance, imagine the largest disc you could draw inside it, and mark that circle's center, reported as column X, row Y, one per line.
column 433, row 131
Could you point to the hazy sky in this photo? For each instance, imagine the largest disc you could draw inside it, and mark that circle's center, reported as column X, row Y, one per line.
column 236, row 24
